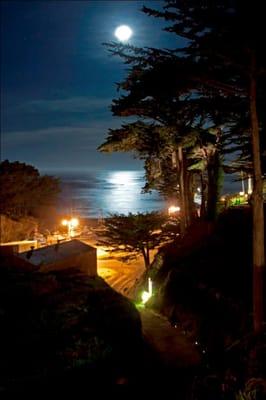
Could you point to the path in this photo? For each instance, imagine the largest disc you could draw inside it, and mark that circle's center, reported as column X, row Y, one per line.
column 172, row 360
column 175, row 350
column 169, row 362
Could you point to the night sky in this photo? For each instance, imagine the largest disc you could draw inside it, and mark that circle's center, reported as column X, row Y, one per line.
column 58, row 80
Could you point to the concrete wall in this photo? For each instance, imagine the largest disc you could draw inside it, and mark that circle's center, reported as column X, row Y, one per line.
column 85, row 262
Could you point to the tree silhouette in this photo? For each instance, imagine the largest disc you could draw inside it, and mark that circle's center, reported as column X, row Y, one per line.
column 133, row 234
column 231, row 63
column 24, row 192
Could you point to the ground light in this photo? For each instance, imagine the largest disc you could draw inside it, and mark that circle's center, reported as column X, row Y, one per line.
column 145, row 296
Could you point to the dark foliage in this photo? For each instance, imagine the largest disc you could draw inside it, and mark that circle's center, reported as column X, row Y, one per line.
column 24, row 192
column 204, row 285
column 64, row 331
column 134, row 234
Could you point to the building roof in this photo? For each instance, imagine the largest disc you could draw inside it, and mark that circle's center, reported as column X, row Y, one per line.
column 58, row 252
column 19, row 242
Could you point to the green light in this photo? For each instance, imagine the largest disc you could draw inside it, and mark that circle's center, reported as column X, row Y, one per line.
column 145, row 296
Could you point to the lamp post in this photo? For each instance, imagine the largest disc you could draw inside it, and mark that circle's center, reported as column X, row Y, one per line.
column 71, row 225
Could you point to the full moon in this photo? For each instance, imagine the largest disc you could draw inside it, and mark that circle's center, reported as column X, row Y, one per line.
column 123, row 33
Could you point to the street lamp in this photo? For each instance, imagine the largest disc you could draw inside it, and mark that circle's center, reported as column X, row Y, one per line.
column 71, row 225
column 173, row 210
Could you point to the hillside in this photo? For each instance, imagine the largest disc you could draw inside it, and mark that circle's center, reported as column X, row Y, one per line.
column 66, row 331
column 203, row 284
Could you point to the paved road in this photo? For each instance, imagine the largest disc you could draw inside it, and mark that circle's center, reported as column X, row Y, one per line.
column 119, row 275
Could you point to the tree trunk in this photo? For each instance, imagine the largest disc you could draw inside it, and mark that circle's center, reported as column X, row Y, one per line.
column 203, row 197
column 213, row 189
column 189, row 196
column 257, row 208
column 183, row 208
column 146, row 256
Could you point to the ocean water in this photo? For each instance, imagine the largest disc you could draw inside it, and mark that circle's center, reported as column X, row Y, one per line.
column 95, row 194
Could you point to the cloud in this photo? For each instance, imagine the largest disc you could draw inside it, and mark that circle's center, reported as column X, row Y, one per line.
column 70, row 105
column 92, row 134
column 64, row 147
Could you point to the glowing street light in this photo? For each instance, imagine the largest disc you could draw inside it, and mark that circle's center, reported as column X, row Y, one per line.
column 71, row 225
column 173, row 210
